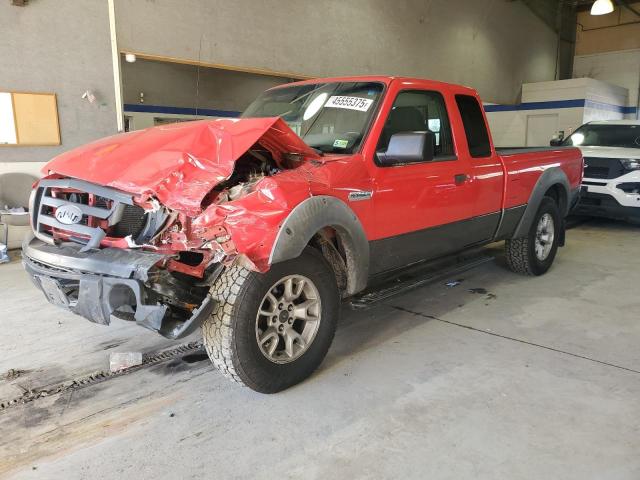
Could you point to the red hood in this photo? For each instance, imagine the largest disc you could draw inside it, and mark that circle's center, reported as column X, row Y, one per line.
column 177, row 163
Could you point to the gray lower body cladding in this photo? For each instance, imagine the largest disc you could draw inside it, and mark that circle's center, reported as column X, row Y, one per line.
column 102, row 284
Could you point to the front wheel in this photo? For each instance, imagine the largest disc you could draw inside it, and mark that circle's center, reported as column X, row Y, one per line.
column 270, row 331
column 534, row 254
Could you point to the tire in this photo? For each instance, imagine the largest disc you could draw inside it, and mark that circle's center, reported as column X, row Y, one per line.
column 521, row 252
column 232, row 331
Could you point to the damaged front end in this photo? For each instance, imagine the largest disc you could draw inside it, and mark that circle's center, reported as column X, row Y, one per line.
column 93, row 252
column 113, row 282
column 138, row 227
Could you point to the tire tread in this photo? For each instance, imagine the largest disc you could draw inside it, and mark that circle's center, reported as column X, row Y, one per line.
column 217, row 331
column 225, row 332
column 519, row 252
column 517, row 256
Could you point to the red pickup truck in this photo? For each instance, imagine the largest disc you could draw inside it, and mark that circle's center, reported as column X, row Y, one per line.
column 255, row 228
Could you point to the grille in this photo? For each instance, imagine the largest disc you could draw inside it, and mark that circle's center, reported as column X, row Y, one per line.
column 603, row 168
column 104, row 212
column 132, row 222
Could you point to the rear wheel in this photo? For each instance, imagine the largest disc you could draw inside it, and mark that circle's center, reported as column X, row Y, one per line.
column 272, row 330
column 534, row 254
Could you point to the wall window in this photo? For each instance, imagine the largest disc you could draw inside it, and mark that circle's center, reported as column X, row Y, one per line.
column 29, row 119
column 418, row 111
column 475, row 127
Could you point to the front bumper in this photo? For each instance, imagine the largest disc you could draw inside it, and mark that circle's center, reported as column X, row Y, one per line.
column 604, row 197
column 102, row 284
column 604, row 205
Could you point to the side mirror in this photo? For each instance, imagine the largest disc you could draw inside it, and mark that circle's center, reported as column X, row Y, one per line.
column 408, row 147
column 557, row 139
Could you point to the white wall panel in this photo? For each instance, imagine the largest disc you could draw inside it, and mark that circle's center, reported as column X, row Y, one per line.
column 618, row 68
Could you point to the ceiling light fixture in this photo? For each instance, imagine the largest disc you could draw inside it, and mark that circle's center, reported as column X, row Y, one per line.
column 130, row 57
column 601, row 7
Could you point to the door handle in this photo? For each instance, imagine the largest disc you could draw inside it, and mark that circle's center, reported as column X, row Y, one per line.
column 460, row 178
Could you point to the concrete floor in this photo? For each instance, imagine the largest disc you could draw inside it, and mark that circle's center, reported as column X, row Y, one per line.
column 537, row 378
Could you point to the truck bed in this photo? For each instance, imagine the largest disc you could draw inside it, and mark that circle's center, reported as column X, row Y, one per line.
column 514, row 150
column 524, row 166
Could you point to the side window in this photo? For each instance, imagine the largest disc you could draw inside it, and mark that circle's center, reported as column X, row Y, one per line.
column 418, row 111
column 475, row 128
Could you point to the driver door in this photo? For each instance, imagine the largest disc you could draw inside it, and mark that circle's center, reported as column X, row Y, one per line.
column 422, row 210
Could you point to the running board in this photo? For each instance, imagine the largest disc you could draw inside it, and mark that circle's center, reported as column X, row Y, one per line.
column 424, row 276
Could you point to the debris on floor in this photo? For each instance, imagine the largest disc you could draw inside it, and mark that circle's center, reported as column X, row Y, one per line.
column 483, row 291
column 123, row 360
column 13, row 373
column 454, row 283
column 480, row 291
column 4, row 257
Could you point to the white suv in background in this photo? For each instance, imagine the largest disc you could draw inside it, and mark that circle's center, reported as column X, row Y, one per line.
column 611, row 184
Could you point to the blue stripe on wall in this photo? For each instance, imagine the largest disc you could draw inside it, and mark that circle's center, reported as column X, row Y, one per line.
column 555, row 104
column 608, row 106
column 536, row 106
column 208, row 112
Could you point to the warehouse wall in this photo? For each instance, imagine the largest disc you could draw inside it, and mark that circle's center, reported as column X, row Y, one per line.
column 550, row 107
column 619, row 68
column 619, row 30
column 492, row 45
column 178, row 91
column 61, row 47
column 608, row 49
column 182, row 86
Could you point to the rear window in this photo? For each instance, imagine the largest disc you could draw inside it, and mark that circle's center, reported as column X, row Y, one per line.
column 475, row 128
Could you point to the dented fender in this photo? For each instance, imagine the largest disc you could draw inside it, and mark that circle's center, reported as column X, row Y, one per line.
column 249, row 226
column 314, row 214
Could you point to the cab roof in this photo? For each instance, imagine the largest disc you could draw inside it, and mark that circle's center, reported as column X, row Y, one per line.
column 387, row 80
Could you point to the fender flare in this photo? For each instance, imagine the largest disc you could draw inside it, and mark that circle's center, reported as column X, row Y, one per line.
column 551, row 176
column 311, row 216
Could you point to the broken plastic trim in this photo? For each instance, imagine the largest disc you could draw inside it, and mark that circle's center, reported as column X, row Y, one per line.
column 97, row 296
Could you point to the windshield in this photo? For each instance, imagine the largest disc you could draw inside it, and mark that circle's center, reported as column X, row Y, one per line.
column 330, row 117
column 593, row 135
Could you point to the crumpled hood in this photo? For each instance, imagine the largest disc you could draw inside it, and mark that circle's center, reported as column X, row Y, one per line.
column 177, row 163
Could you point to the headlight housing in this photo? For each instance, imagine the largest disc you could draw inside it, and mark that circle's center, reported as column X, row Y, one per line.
column 631, row 163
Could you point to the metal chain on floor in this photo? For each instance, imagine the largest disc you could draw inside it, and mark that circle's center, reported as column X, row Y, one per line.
column 100, row 376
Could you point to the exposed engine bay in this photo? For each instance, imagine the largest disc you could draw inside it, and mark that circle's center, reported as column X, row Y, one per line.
column 249, row 170
column 253, row 166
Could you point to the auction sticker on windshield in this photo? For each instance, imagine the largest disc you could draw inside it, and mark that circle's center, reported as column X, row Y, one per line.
column 351, row 103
